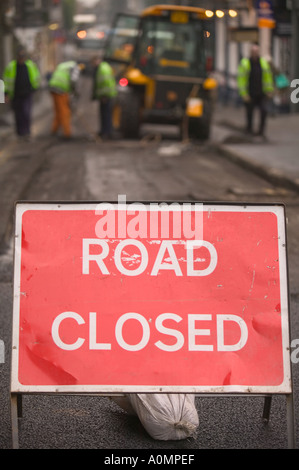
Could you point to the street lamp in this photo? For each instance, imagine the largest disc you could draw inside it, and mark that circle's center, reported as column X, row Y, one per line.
column 209, row 13
column 220, row 13
column 233, row 13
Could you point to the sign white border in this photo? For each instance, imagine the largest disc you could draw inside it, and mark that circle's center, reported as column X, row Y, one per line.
column 284, row 388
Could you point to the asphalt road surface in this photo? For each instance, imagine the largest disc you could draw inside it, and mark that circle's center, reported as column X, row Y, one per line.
column 157, row 167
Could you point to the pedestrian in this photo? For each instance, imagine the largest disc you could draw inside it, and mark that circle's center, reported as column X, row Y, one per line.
column 21, row 80
column 104, row 90
column 62, row 84
column 255, row 83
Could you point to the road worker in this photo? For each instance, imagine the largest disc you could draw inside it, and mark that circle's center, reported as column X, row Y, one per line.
column 104, row 90
column 62, row 84
column 255, row 83
column 21, row 80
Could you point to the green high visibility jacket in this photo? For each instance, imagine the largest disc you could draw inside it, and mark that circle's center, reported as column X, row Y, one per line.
column 10, row 74
column 105, row 84
column 243, row 77
column 61, row 80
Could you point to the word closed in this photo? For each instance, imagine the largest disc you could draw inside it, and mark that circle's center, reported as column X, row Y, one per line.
column 193, row 332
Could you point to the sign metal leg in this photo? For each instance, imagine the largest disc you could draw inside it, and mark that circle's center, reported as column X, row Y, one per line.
column 16, row 413
column 267, row 409
column 290, row 421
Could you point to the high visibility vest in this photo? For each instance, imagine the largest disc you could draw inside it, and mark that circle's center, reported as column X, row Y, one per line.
column 244, row 72
column 61, row 78
column 105, row 82
column 10, row 74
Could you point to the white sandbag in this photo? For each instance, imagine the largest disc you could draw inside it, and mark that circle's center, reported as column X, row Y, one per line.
column 166, row 416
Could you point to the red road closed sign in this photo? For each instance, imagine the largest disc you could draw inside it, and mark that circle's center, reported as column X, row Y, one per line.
column 150, row 298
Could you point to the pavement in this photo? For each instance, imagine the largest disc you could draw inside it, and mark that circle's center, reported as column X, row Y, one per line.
column 276, row 158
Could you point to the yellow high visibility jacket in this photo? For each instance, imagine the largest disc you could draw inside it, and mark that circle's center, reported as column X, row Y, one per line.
column 243, row 77
column 105, row 85
column 61, row 80
column 10, row 74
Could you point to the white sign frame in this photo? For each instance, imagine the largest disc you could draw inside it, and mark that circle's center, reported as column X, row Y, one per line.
column 285, row 388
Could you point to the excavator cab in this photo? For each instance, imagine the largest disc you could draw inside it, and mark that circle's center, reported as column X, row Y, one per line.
column 162, row 61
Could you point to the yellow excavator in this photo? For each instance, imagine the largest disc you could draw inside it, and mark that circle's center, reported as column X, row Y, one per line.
column 163, row 61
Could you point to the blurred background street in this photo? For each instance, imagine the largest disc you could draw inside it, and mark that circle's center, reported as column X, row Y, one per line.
column 163, row 162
